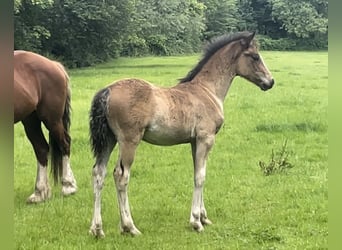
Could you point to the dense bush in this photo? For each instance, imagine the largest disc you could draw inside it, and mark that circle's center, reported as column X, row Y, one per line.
column 284, row 44
column 267, row 43
column 157, row 45
column 83, row 33
column 134, row 46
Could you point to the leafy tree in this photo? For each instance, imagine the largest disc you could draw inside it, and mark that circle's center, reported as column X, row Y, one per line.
column 245, row 16
column 301, row 18
column 87, row 32
column 221, row 16
column 262, row 13
column 79, row 33
column 256, row 15
column 30, row 28
column 166, row 27
column 82, row 33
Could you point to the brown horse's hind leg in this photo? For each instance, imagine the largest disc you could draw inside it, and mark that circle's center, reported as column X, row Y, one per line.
column 59, row 135
column 69, row 185
column 34, row 133
column 121, row 177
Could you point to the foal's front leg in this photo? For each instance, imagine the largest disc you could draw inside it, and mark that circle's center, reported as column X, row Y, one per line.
column 200, row 150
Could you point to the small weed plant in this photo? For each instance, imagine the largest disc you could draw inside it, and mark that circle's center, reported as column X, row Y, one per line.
column 278, row 163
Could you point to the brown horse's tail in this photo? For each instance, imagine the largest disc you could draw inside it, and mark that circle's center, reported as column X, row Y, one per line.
column 57, row 150
column 102, row 139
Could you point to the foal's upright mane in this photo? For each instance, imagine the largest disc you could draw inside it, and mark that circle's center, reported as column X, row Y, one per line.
column 212, row 47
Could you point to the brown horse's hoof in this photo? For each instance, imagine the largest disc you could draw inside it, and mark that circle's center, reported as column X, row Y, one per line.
column 39, row 196
column 69, row 189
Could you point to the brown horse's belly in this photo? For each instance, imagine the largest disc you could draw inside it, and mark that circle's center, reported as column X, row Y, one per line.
column 24, row 103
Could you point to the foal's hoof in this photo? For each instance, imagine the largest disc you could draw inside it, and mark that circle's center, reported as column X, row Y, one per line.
column 131, row 230
column 97, row 232
column 197, row 226
column 135, row 232
column 206, row 221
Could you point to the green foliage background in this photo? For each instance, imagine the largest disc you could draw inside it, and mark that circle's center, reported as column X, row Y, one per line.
column 83, row 33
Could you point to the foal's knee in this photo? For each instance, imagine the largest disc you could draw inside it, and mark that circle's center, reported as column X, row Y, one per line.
column 200, row 177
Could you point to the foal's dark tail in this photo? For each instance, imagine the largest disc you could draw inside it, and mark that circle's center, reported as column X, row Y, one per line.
column 102, row 139
column 57, row 150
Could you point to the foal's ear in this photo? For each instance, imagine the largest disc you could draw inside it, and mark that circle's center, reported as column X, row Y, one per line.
column 246, row 41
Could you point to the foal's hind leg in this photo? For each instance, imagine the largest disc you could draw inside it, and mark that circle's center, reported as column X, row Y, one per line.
column 34, row 133
column 121, row 177
column 99, row 174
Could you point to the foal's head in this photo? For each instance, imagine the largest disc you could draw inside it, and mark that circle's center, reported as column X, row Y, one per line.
column 250, row 65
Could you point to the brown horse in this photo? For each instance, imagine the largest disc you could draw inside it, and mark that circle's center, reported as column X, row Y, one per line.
column 41, row 94
column 132, row 110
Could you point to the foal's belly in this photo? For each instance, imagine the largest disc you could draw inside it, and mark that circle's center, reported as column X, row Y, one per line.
column 166, row 136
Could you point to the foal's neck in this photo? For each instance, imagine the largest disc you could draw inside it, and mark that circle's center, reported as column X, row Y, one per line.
column 218, row 72
column 216, row 79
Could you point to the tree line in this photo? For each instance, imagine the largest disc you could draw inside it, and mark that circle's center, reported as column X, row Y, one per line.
column 84, row 32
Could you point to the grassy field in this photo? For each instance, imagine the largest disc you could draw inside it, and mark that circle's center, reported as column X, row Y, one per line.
column 287, row 210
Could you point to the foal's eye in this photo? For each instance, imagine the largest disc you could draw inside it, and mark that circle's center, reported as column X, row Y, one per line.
column 255, row 57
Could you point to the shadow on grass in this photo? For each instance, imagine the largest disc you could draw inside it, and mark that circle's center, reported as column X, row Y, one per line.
column 300, row 127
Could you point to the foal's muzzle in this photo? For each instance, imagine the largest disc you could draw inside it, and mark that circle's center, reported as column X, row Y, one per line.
column 266, row 86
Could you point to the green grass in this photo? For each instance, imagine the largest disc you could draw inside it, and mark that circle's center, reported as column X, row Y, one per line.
column 286, row 210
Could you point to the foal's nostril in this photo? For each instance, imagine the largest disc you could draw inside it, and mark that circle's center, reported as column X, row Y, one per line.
column 267, row 85
column 271, row 83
